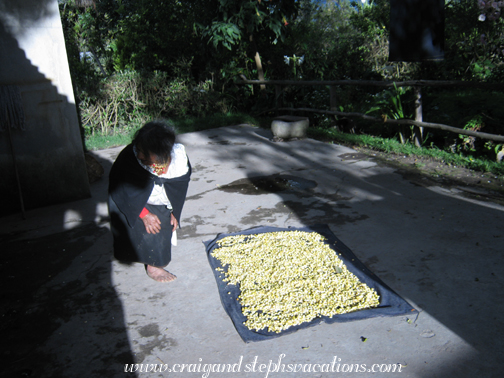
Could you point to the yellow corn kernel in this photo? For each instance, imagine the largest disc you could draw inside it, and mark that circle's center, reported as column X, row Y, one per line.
column 289, row 277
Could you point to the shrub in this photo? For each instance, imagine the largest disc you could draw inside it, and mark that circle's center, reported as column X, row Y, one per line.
column 129, row 99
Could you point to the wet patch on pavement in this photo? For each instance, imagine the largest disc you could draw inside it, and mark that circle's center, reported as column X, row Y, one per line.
column 300, row 203
column 159, row 342
column 149, row 330
column 268, row 184
column 227, row 142
column 306, row 210
column 353, row 156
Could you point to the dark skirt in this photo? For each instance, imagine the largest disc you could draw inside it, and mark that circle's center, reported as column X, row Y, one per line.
column 134, row 244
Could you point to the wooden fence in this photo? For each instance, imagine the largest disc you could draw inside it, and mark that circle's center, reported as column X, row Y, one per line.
column 416, row 84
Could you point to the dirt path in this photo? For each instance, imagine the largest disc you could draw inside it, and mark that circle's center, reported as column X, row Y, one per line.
column 429, row 172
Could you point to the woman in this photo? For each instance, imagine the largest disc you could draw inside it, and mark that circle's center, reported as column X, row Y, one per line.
column 147, row 190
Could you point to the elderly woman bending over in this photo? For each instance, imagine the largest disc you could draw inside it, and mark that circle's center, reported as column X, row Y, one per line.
column 147, row 190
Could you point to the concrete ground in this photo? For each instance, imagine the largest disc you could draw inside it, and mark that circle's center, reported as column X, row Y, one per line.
column 71, row 310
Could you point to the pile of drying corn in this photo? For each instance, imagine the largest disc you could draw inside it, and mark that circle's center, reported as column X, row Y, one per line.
column 289, row 277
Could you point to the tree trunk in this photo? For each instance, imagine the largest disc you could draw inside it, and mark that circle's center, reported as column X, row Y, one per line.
column 418, row 131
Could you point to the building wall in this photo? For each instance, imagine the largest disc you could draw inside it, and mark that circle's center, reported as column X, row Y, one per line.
column 48, row 147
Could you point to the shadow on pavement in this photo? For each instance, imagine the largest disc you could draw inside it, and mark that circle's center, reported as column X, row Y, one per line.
column 440, row 252
column 61, row 315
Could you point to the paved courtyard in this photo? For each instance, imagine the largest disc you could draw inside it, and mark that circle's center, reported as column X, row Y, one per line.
column 73, row 311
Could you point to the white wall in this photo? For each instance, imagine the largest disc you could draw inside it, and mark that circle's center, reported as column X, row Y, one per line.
column 49, row 150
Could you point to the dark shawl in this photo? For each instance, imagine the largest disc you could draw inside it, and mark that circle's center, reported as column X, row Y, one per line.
column 130, row 186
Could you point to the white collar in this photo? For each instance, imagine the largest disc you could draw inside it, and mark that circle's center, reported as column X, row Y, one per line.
column 178, row 165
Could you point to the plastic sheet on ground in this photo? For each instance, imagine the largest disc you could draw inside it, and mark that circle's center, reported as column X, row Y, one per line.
column 391, row 304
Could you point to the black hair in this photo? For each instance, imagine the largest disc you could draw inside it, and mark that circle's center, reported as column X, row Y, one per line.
column 156, row 137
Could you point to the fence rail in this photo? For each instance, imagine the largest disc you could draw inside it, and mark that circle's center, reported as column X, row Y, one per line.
column 417, row 84
column 479, row 134
column 376, row 83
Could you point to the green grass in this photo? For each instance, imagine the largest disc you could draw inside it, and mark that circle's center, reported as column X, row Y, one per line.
column 100, row 142
column 394, row 146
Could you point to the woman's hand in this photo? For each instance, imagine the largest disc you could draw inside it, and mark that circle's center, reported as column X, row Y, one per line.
column 152, row 223
column 174, row 222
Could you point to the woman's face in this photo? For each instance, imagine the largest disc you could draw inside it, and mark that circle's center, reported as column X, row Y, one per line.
column 152, row 161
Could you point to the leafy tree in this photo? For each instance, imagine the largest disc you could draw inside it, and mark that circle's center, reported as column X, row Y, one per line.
column 138, row 34
column 491, row 40
column 240, row 20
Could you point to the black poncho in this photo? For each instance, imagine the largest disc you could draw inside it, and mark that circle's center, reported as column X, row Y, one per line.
column 130, row 186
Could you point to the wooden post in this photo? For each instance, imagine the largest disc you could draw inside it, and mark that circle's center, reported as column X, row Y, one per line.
column 418, row 131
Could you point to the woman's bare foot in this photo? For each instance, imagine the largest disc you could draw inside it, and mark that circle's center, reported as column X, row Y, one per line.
column 159, row 274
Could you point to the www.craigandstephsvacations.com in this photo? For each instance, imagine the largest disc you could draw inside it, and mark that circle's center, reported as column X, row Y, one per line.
column 265, row 369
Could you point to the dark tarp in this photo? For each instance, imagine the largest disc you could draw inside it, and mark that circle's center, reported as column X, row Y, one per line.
column 391, row 304
column 416, row 30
